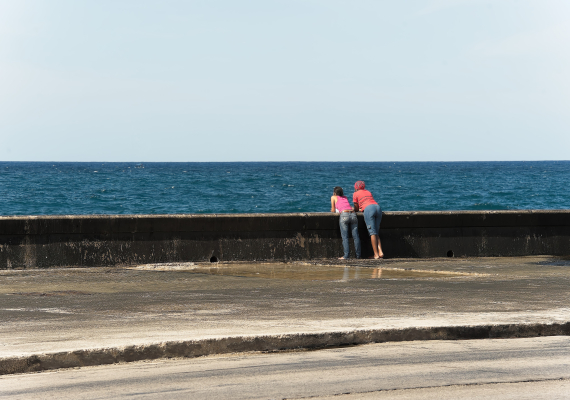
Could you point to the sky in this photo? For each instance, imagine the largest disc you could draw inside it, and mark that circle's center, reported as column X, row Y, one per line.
column 275, row 80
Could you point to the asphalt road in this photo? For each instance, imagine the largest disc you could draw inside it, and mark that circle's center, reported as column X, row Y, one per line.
column 537, row 368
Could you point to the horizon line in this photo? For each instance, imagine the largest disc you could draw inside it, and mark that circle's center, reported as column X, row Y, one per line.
column 279, row 161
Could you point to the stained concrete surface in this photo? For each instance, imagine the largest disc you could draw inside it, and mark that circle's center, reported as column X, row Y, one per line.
column 67, row 309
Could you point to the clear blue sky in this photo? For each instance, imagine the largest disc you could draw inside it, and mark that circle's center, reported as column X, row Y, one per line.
column 295, row 80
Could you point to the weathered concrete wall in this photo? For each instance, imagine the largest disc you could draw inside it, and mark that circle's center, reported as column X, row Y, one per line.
column 97, row 240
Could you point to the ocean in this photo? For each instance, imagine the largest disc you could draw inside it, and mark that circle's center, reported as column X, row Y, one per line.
column 55, row 188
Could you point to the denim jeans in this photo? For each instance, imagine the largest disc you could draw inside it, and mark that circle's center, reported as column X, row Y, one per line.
column 348, row 222
column 372, row 218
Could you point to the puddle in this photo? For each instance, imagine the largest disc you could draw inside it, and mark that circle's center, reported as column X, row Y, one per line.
column 321, row 273
column 555, row 263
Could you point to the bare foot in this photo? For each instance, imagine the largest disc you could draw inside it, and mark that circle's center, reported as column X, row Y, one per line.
column 342, row 258
column 380, row 252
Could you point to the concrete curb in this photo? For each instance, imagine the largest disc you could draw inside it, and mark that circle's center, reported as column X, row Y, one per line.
column 269, row 343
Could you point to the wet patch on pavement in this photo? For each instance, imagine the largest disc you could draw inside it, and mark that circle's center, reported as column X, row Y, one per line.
column 302, row 271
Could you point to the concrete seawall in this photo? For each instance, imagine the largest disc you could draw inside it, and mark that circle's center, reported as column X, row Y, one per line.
column 103, row 240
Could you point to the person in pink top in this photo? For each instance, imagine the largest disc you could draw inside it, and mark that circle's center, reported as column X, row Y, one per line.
column 347, row 221
column 363, row 201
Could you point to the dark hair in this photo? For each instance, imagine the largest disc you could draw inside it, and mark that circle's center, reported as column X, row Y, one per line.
column 338, row 191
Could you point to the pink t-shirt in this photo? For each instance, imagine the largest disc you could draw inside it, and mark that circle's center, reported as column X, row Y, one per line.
column 342, row 204
column 363, row 198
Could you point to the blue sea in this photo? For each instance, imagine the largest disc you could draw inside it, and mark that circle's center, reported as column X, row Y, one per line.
column 41, row 188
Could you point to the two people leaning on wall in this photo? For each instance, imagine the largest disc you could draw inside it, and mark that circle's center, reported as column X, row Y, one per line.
column 363, row 201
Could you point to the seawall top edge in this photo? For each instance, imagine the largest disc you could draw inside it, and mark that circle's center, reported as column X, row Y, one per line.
column 265, row 215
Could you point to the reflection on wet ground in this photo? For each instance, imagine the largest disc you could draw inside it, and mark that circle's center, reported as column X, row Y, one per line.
column 303, row 271
column 59, row 283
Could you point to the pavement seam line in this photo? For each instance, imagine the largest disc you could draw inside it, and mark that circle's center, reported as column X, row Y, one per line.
column 435, row 387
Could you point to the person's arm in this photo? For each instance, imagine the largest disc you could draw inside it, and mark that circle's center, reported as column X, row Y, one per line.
column 355, row 201
column 333, row 204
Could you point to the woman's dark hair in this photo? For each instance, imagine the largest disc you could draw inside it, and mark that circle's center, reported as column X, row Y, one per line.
column 338, row 191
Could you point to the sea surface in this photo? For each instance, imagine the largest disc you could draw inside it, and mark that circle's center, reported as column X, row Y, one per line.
column 41, row 188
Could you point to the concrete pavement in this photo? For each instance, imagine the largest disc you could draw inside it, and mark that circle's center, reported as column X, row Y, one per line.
column 530, row 368
column 71, row 317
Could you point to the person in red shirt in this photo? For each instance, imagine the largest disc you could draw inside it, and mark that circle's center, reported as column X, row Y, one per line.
column 363, row 201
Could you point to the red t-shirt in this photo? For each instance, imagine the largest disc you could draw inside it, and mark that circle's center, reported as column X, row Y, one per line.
column 363, row 198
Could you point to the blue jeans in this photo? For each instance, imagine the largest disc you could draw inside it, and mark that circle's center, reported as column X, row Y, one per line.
column 348, row 222
column 372, row 218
